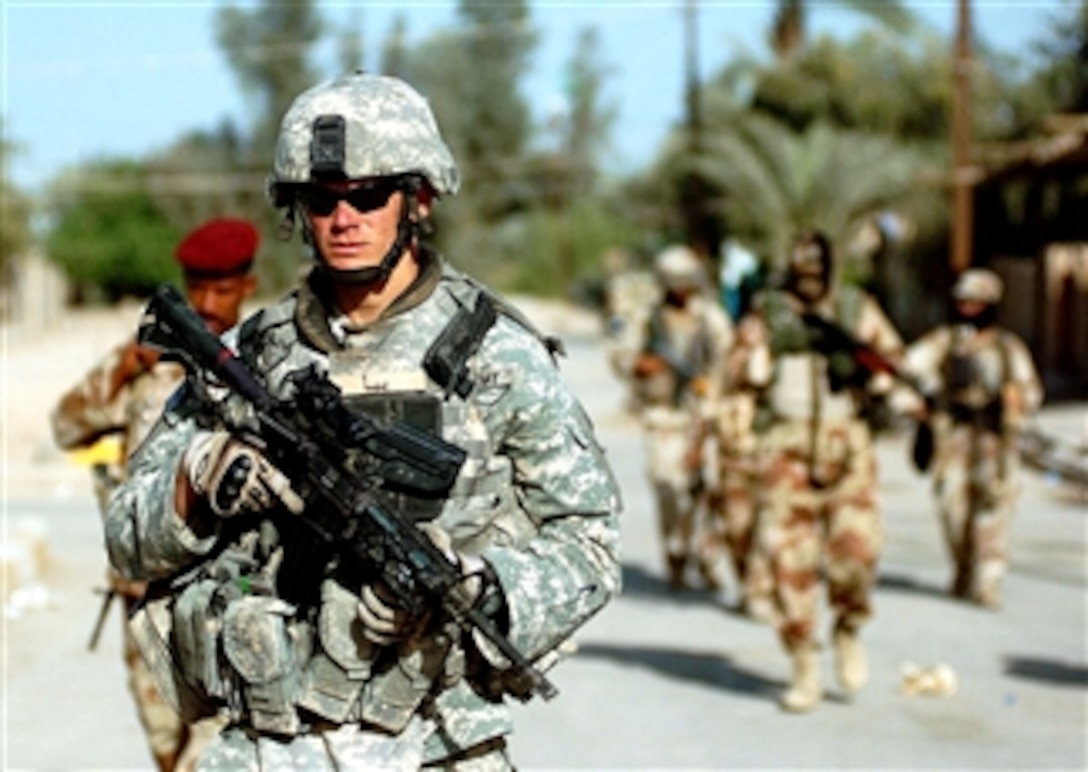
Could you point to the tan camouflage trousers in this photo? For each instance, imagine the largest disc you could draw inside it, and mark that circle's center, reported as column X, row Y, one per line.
column 975, row 479
column 676, row 490
column 735, row 508
column 173, row 745
column 819, row 519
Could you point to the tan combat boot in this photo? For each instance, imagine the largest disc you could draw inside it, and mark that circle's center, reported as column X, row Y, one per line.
column 851, row 663
column 805, row 691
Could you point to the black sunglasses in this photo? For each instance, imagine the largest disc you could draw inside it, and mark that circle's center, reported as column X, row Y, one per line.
column 366, row 197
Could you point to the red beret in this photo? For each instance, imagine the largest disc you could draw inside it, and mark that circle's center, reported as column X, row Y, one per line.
column 221, row 246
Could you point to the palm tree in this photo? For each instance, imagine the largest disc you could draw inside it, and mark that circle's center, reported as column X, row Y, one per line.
column 777, row 181
column 788, row 27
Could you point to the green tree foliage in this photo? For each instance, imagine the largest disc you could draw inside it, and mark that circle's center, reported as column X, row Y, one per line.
column 473, row 76
column 350, row 44
column 395, row 55
column 269, row 48
column 777, row 181
column 110, row 237
column 15, row 213
column 1064, row 52
column 587, row 128
column 789, row 24
column 870, row 83
column 202, row 176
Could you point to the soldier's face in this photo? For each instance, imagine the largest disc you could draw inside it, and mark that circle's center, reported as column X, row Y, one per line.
column 218, row 300
column 968, row 309
column 354, row 223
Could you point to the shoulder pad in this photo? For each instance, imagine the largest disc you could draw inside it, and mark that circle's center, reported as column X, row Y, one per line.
column 465, row 289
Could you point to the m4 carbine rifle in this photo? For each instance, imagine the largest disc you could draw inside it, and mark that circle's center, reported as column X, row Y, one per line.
column 336, row 459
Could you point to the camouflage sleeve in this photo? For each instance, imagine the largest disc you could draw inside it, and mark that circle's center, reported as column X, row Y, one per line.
column 145, row 537
column 720, row 328
column 1024, row 374
column 875, row 329
column 923, row 357
column 565, row 574
column 95, row 406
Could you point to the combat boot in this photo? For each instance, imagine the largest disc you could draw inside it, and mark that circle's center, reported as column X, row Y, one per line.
column 851, row 664
column 805, row 691
column 676, row 566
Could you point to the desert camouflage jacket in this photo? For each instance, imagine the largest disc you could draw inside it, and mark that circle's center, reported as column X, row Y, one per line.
column 536, row 498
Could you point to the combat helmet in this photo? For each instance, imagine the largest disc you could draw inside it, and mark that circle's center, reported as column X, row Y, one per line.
column 978, row 285
column 356, row 126
column 679, row 268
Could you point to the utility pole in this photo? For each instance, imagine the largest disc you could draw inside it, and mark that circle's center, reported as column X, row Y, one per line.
column 694, row 193
column 963, row 174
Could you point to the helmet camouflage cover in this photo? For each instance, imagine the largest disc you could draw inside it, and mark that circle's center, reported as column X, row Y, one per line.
column 678, row 267
column 978, row 285
column 362, row 125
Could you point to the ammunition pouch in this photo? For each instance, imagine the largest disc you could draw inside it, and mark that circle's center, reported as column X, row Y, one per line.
column 263, row 659
column 961, row 373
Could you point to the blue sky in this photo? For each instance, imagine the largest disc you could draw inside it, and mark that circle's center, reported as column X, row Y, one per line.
column 82, row 79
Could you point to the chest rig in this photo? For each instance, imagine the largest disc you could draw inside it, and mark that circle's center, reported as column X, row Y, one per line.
column 243, row 638
column 405, row 397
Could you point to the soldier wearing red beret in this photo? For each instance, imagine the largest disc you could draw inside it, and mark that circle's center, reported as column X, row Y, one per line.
column 123, row 396
column 216, row 259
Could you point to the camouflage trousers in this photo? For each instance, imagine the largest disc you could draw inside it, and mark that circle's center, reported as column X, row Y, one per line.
column 348, row 747
column 819, row 518
column 976, row 486
column 174, row 745
column 734, row 506
column 678, row 491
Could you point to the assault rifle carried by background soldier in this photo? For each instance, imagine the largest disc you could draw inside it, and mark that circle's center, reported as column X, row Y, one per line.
column 836, row 342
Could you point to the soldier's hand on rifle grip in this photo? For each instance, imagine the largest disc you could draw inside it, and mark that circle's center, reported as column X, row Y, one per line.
column 384, row 623
column 479, row 589
column 234, row 477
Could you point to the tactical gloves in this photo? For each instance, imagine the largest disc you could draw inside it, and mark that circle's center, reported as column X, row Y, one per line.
column 385, row 623
column 235, row 477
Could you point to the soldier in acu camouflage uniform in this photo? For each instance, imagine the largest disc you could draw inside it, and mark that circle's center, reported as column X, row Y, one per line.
column 984, row 386
column 124, row 395
column 332, row 675
column 818, row 494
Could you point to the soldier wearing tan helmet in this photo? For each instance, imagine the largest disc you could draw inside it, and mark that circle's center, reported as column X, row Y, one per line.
column 684, row 334
column 982, row 386
column 316, row 661
column 123, row 396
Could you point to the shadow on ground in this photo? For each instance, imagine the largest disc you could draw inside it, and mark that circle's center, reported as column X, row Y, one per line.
column 707, row 668
column 646, row 585
column 1047, row 671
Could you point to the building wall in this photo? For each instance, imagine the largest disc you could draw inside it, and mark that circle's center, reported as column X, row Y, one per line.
column 1046, row 303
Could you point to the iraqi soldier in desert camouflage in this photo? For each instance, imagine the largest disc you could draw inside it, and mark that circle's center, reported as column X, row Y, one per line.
column 817, row 471
column 679, row 343
column 983, row 387
column 314, row 664
column 124, row 395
